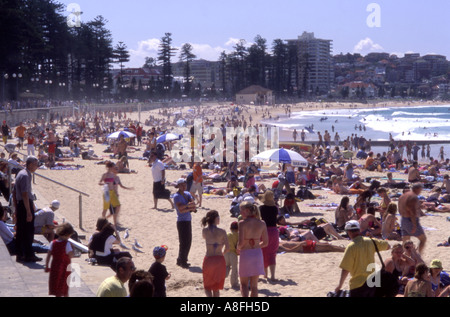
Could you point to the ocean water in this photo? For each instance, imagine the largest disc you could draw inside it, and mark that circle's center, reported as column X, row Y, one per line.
column 414, row 123
column 420, row 123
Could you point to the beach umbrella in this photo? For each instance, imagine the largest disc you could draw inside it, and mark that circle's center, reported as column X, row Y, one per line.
column 168, row 137
column 126, row 135
column 281, row 156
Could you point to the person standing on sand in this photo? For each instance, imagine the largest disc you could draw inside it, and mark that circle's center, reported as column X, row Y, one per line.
column 358, row 257
column 252, row 238
column 122, row 147
column 409, row 209
column 214, row 264
column 185, row 205
column 294, row 135
column 6, row 130
column 303, row 135
column 159, row 180
column 111, row 183
column 269, row 213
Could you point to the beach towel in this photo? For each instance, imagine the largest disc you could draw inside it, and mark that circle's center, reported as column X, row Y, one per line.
column 214, row 272
column 270, row 252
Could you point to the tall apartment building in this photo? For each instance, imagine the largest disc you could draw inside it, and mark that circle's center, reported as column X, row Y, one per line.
column 315, row 66
column 205, row 73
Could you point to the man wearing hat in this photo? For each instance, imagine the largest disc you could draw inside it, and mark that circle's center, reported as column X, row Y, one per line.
column 43, row 221
column 184, row 204
column 358, row 261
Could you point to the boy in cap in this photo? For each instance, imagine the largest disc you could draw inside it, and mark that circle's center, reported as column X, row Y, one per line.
column 159, row 271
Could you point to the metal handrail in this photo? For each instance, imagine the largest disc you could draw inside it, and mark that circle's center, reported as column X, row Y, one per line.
column 80, row 201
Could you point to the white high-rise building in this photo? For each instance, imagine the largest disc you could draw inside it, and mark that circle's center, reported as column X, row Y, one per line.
column 315, row 64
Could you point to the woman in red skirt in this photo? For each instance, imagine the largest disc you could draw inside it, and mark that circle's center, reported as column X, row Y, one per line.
column 61, row 253
column 214, row 266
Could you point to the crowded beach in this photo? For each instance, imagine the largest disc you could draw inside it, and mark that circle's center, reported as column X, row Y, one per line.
column 214, row 227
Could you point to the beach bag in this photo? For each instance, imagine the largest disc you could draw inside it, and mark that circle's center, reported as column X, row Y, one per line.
column 389, row 285
column 319, row 232
column 235, row 211
column 304, row 193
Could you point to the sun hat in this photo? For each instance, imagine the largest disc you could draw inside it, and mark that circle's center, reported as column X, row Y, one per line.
column 436, row 264
column 160, row 252
column 55, row 204
column 267, row 198
column 352, row 225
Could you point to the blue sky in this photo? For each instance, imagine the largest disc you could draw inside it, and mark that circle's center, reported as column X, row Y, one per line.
column 212, row 26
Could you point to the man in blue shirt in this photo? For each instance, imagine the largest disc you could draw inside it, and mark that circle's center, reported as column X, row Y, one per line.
column 184, row 204
column 23, row 198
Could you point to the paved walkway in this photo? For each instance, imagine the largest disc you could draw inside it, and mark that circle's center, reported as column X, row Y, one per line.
column 30, row 280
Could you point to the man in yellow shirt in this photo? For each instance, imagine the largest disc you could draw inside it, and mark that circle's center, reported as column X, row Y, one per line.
column 114, row 286
column 358, row 261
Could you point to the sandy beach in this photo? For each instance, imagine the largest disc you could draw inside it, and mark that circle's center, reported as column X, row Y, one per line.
column 300, row 275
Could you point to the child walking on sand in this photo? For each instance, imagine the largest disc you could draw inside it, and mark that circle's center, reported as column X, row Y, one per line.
column 61, row 252
column 231, row 257
column 159, row 271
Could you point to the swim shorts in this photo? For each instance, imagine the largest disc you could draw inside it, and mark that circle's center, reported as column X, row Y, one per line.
column 406, row 226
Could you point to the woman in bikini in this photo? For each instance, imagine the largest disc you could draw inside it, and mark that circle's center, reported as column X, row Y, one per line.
column 389, row 224
column 214, row 266
column 252, row 238
column 111, row 181
column 399, row 263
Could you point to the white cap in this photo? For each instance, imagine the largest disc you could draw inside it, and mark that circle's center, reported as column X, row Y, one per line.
column 55, row 204
column 180, row 181
column 352, row 225
column 250, row 199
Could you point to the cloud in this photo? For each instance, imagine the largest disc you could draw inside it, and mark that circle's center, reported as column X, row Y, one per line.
column 366, row 46
column 149, row 48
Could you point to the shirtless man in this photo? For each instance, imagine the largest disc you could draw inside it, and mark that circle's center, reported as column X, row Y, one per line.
column 409, row 208
column 413, row 174
column 51, row 142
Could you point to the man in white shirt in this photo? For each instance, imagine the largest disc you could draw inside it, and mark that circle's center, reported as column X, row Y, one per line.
column 159, row 179
column 43, row 221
